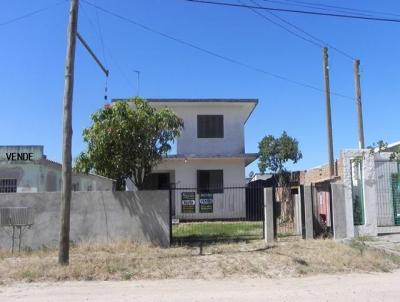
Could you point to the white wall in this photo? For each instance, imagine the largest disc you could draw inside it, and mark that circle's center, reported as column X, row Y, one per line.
column 369, row 191
column 35, row 177
column 230, row 204
column 234, row 114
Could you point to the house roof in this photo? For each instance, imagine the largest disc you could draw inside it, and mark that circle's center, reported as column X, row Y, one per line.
column 249, row 157
column 252, row 103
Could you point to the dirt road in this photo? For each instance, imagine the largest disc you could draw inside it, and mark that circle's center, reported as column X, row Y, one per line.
column 351, row 287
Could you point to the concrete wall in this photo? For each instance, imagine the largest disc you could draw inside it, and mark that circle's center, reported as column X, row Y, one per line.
column 95, row 216
column 37, row 151
column 339, row 211
column 369, row 193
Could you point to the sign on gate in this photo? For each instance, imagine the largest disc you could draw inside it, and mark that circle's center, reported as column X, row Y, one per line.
column 206, row 202
column 188, row 200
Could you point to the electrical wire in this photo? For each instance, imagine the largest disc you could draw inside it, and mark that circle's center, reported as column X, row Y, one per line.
column 315, row 40
column 212, row 53
column 334, row 9
column 30, row 14
column 227, row 4
column 327, row 6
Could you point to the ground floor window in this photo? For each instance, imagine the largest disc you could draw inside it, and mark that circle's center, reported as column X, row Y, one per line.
column 157, row 181
column 8, row 185
column 75, row 187
column 210, row 181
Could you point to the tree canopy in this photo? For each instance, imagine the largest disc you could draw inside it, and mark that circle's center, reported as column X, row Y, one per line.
column 127, row 139
column 274, row 152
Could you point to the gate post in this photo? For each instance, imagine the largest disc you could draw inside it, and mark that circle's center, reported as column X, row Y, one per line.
column 268, row 215
column 170, row 215
column 308, row 213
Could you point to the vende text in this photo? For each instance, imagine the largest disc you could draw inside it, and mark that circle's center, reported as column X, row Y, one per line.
column 19, row 156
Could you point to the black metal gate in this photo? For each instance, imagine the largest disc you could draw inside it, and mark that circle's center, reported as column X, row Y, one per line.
column 215, row 214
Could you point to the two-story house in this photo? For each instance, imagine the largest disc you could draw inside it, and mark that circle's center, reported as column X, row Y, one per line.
column 210, row 156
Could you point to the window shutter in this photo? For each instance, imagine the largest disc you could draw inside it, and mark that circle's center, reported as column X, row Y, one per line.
column 210, row 126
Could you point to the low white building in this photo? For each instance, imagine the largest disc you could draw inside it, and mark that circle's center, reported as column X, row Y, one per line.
column 26, row 169
column 210, row 158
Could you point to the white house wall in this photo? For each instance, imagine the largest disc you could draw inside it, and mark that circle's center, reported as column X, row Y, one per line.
column 227, row 205
column 234, row 120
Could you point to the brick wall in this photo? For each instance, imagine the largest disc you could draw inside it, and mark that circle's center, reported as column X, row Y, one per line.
column 321, row 173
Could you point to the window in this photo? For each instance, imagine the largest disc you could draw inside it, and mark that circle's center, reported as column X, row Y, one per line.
column 8, row 185
column 157, row 181
column 210, row 126
column 210, row 181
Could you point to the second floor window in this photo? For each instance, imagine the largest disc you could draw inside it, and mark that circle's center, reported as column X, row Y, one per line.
column 210, row 126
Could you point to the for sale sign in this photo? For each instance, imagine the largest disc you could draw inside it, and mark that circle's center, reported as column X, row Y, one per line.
column 206, row 203
column 188, row 200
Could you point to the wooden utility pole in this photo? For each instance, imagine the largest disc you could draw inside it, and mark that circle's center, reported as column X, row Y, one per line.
column 63, row 253
column 328, row 112
column 359, row 104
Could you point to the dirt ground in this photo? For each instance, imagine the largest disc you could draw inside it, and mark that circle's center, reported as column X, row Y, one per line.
column 129, row 261
column 343, row 287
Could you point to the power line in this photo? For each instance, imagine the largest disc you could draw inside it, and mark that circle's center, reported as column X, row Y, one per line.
column 327, row 6
column 106, row 50
column 212, row 53
column 30, row 14
column 370, row 18
column 283, row 27
column 320, row 43
column 100, row 35
column 315, row 6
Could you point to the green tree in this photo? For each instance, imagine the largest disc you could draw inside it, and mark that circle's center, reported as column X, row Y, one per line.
column 126, row 140
column 274, row 153
column 380, row 146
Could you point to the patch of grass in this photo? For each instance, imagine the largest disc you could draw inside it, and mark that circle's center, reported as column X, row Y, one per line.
column 209, row 231
column 124, row 260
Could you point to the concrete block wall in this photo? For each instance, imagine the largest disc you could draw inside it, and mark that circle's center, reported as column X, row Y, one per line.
column 141, row 216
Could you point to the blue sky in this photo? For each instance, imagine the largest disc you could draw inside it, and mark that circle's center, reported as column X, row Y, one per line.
column 33, row 56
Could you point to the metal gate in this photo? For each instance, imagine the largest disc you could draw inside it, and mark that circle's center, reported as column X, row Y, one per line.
column 322, row 209
column 287, row 212
column 215, row 214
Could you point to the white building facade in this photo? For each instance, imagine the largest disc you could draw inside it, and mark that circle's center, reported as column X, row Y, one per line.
column 210, row 157
column 25, row 169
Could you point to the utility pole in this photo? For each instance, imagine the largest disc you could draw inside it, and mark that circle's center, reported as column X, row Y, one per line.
column 359, row 104
column 328, row 112
column 63, row 253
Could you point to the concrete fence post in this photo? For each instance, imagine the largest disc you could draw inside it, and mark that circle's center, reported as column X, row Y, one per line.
column 268, row 215
column 338, row 211
column 308, row 213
